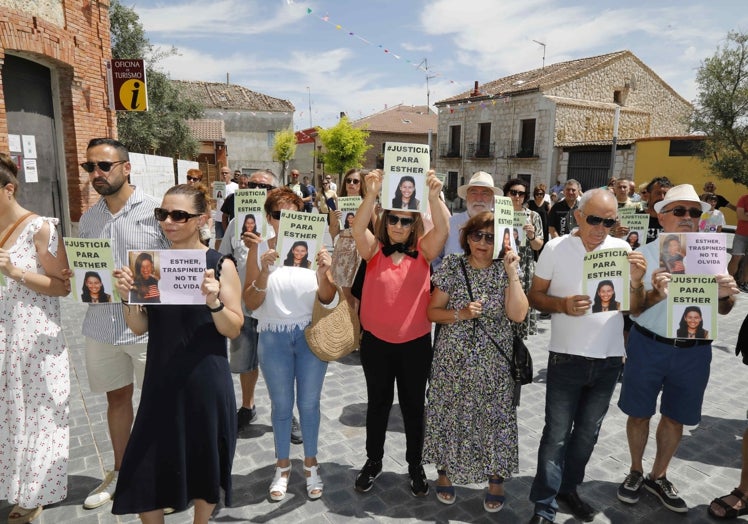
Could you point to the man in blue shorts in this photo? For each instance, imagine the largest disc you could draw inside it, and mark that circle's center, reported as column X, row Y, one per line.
column 677, row 367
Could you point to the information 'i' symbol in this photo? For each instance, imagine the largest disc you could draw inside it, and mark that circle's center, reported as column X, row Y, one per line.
column 132, row 94
column 134, row 101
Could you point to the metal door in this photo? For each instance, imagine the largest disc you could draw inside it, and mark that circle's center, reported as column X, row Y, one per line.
column 589, row 168
column 27, row 90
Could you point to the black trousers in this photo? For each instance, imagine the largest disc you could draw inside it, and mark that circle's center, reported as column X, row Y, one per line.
column 408, row 364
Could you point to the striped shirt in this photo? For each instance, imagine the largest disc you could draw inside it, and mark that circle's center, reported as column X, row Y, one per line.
column 133, row 227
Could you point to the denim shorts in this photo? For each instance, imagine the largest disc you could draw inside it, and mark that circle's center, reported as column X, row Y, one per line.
column 680, row 373
column 243, row 349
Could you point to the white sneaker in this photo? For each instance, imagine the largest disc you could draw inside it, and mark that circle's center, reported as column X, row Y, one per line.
column 103, row 493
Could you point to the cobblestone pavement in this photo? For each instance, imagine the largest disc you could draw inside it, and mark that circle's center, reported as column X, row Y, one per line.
column 706, row 465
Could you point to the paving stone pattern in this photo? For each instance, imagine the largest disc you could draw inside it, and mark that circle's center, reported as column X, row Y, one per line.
column 706, row 465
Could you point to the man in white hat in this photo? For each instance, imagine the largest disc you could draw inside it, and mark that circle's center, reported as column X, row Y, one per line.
column 478, row 195
column 679, row 367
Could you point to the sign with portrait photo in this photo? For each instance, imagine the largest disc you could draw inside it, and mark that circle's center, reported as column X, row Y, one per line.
column 692, row 307
column 92, row 263
column 167, row 276
column 249, row 212
column 503, row 226
column 348, row 207
column 300, row 237
column 605, row 279
column 405, row 168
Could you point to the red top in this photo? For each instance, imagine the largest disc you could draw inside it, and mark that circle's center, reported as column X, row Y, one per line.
column 742, row 228
column 395, row 298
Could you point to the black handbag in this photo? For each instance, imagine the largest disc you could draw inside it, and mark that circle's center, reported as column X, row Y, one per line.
column 520, row 365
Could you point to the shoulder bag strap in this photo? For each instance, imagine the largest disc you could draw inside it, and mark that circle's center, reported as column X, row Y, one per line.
column 14, row 227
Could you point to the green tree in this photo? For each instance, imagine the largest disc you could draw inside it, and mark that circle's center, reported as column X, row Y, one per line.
column 722, row 108
column 162, row 129
column 284, row 149
column 344, row 146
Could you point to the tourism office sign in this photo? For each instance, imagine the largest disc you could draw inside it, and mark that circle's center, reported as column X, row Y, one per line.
column 127, row 84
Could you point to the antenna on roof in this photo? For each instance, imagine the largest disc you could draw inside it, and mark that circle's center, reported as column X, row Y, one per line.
column 425, row 64
column 227, row 79
column 541, row 43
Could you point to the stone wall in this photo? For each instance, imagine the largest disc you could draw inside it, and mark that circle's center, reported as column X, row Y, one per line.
column 75, row 48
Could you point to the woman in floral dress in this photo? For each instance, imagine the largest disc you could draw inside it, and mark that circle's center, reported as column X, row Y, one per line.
column 471, row 423
column 34, row 375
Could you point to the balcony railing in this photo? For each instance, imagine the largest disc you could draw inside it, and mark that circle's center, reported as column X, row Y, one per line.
column 481, row 150
column 520, row 149
column 447, row 151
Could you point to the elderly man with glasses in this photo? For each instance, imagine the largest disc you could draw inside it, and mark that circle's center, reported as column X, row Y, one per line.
column 585, row 355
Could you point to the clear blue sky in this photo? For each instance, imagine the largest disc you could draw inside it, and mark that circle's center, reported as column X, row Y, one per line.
column 294, row 50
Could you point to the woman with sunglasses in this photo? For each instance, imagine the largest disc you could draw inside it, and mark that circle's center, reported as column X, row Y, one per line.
column 345, row 257
column 518, row 191
column 34, row 370
column 471, row 422
column 327, row 200
column 281, row 299
column 182, row 444
column 396, row 341
column 541, row 204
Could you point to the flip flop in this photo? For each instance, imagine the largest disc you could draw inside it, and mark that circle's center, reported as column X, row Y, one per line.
column 730, row 512
column 19, row 515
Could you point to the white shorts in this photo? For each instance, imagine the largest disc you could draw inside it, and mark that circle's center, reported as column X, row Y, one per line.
column 112, row 367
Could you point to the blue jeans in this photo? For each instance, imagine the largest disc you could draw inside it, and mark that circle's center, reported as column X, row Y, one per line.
column 286, row 361
column 576, row 400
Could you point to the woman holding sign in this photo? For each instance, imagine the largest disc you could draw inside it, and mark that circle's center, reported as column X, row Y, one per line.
column 183, row 439
column 281, row 299
column 33, row 358
column 396, row 341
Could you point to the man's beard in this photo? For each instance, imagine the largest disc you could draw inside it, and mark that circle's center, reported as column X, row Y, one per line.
column 104, row 188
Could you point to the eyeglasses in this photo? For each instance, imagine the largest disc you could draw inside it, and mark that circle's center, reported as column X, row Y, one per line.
column 275, row 215
column 680, row 211
column 539, row 193
column 177, row 215
column 393, row 220
column 354, row 181
column 193, row 178
column 596, row 221
column 515, row 192
column 259, row 185
column 104, row 166
column 477, row 236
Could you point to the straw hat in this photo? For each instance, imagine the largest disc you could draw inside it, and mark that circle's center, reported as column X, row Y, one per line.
column 681, row 193
column 479, row 179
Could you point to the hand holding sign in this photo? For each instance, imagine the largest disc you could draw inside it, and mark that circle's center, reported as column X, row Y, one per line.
column 210, row 286
column 373, row 181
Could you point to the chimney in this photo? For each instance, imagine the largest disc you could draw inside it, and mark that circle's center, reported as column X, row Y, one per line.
column 342, row 114
column 475, row 90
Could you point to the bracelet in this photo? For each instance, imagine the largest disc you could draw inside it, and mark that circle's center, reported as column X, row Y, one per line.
column 531, row 239
column 457, row 315
column 632, row 288
column 257, row 288
column 22, row 280
column 725, row 299
column 216, row 309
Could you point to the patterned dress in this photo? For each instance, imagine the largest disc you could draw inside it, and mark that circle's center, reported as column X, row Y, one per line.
column 471, row 426
column 34, row 384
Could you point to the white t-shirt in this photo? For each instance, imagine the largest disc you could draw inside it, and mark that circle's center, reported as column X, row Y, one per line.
column 598, row 335
column 654, row 318
column 453, row 240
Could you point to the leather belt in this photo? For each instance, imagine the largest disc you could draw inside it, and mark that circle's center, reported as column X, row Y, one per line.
column 676, row 342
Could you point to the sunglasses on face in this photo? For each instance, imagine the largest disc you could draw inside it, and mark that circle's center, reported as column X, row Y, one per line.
column 104, row 166
column 192, row 178
column 393, row 220
column 539, row 193
column 596, row 221
column 680, row 211
column 177, row 215
column 275, row 215
column 477, row 236
column 517, row 193
column 354, row 181
column 259, row 185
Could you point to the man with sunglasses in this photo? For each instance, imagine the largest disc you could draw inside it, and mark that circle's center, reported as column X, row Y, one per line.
column 585, row 355
column 300, row 189
column 227, row 208
column 114, row 354
column 561, row 216
column 479, row 195
column 679, row 368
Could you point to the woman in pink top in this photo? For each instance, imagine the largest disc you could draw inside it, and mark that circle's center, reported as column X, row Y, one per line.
column 396, row 341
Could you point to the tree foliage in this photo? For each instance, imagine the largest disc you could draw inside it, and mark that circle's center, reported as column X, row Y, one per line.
column 722, row 108
column 162, row 129
column 284, row 149
column 344, row 146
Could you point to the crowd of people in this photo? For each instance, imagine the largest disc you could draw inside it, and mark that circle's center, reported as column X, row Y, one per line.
column 439, row 314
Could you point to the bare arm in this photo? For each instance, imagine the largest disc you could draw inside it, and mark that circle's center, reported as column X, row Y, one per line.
column 515, row 301
column 366, row 242
column 433, row 242
column 230, row 318
column 136, row 317
column 326, row 290
column 637, row 269
column 573, row 305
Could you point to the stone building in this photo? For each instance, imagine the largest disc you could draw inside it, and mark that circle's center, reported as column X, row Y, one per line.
column 250, row 121
column 557, row 122
column 53, row 99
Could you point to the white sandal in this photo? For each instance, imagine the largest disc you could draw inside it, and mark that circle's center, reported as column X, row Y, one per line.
column 313, row 482
column 280, row 483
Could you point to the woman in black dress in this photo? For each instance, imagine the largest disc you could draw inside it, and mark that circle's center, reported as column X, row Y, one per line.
column 183, row 440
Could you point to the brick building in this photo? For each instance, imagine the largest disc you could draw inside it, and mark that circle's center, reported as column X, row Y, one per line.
column 53, row 98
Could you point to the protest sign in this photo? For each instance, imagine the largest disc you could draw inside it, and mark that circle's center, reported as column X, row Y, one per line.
column 300, row 237
column 92, row 263
column 503, row 223
column 605, row 279
column 692, row 307
column 405, row 169
column 249, row 212
column 167, row 276
column 348, row 207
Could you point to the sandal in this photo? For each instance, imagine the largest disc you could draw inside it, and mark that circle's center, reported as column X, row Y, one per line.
column 280, row 483
column 445, row 494
column 491, row 499
column 20, row 515
column 730, row 511
column 314, row 483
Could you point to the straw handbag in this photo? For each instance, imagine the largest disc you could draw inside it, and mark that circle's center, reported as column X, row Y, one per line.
column 334, row 332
